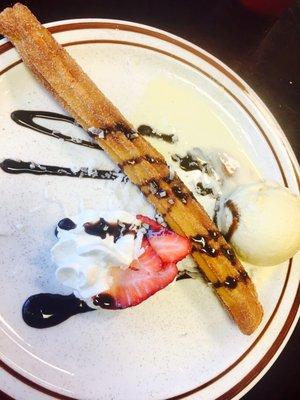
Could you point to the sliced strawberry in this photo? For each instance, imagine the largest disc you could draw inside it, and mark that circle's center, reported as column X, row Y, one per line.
column 152, row 271
column 142, row 279
column 155, row 226
column 168, row 245
column 148, row 261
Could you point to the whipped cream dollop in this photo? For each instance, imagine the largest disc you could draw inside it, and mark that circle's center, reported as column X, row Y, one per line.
column 90, row 244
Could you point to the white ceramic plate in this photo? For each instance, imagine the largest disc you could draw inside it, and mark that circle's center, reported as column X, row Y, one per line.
column 180, row 343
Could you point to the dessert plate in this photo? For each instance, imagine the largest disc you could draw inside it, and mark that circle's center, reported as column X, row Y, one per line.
column 180, row 343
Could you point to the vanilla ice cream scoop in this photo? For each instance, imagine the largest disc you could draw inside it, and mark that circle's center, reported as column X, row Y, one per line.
column 262, row 221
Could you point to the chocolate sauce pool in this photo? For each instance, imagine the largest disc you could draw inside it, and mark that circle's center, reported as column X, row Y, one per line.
column 44, row 310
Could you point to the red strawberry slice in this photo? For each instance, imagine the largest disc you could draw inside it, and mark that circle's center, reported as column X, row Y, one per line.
column 168, row 245
column 142, row 279
column 155, row 226
column 148, row 261
column 152, row 271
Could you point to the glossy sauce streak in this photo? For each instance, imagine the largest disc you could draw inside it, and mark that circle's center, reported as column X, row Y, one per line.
column 102, row 133
column 22, row 167
column 105, row 300
column 128, row 132
column 202, row 190
column 44, row 310
column 180, row 194
column 214, row 234
column 191, row 162
column 201, row 243
column 66, row 224
column 203, row 246
column 187, row 163
column 146, row 130
column 183, row 275
column 235, row 219
column 153, row 160
column 156, row 189
column 231, row 282
column 26, row 118
column 138, row 160
column 229, row 254
column 103, row 228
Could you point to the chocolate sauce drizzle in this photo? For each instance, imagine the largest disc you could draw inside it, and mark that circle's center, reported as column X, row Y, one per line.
column 26, row 118
column 22, row 167
column 44, row 310
column 229, row 254
column 66, row 224
column 138, row 160
column 156, row 189
column 105, row 131
column 154, row 160
column 180, row 194
column 105, row 300
column 235, row 219
column 102, row 228
column 201, row 243
column 214, row 234
column 203, row 190
column 182, row 275
column 146, row 130
column 187, row 163
column 232, row 282
column 192, row 162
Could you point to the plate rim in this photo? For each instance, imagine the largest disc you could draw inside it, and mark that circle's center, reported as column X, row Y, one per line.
column 291, row 320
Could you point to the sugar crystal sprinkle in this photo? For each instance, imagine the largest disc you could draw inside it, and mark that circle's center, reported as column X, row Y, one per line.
column 96, row 132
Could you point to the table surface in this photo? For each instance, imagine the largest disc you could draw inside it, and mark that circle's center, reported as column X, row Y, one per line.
column 264, row 50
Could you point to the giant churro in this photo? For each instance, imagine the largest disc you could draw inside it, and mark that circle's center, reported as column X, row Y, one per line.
column 143, row 164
